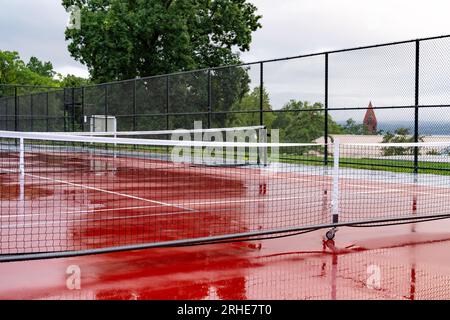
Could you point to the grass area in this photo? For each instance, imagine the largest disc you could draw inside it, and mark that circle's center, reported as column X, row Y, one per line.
column 390, row 165
column 404, row 166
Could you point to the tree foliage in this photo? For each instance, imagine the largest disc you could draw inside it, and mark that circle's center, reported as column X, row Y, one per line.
column 351, row 127
column 71, row 81
column 44, row 69
column 400, row 135
column 245, row 110
column 123, row 39
column 13, row 70
column 301, row 122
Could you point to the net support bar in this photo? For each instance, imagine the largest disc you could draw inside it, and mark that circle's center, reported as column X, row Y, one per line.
column 21, row 157
column 335, row 192
column 21, row 206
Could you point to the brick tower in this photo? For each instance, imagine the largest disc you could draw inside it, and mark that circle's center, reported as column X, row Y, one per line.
column 370, row 120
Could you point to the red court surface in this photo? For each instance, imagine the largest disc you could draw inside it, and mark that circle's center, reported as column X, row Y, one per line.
column 71, row 202
column 412, row 260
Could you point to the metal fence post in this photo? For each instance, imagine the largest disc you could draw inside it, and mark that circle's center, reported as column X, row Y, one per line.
column 16, row 110
column 167, row 103
column 65, row 110
column 47, row 112
column 106, row 108
column 134, row 105
column 416, row 108
column 73, row 109
column 209, row 98
column 82, row 115
column 325, row 134
column 167, row 108
column 261, row 94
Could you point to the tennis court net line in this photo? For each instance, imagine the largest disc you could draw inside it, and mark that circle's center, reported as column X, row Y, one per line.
column 64, row 195
column 148, row 134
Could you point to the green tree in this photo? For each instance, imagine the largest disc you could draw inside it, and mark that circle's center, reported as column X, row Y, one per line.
column 123, row 39
column 301, row 122
column 10, row 66
column 71, row 81
column 44, row 69
column 251, row 103
column 400, row 135
column 351, row 127
column 14, row 71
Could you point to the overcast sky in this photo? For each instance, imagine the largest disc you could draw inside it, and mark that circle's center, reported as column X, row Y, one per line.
column 290, row 27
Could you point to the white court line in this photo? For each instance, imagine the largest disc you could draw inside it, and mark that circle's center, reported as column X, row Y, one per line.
column 80, row 212
column 380, row 188
column 248, row 200
column 165, row 204
column 157, row 214
column 321, row 183
column 361, row 185
column 374, row 192
column 61, row 222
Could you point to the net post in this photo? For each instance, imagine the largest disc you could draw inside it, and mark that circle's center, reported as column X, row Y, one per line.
column 261, row 94
column 21, row 176
column 335, row 178
column 21, row 157
column 416, row 108
column 325, row 134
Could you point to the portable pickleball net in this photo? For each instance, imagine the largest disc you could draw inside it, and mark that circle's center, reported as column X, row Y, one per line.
column 74, row 194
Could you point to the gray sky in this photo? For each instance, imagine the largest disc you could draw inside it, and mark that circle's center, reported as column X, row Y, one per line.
column 290, row 27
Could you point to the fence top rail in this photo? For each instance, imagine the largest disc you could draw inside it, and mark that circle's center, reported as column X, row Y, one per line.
column 26, row 85
column 161, row 132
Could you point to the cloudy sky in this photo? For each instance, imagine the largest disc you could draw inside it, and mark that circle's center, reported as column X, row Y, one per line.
column 290, row 27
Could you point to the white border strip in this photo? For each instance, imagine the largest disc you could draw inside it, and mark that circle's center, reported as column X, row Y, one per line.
column 148, row 142
column 158, row 132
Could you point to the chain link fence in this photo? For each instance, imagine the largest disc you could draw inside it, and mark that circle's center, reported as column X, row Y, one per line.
column 315, row 97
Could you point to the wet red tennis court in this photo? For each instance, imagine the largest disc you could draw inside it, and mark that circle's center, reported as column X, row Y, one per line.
column 397, row 262
column 76, row 203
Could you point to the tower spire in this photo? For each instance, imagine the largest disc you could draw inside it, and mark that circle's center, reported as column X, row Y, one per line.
column 370, row 120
